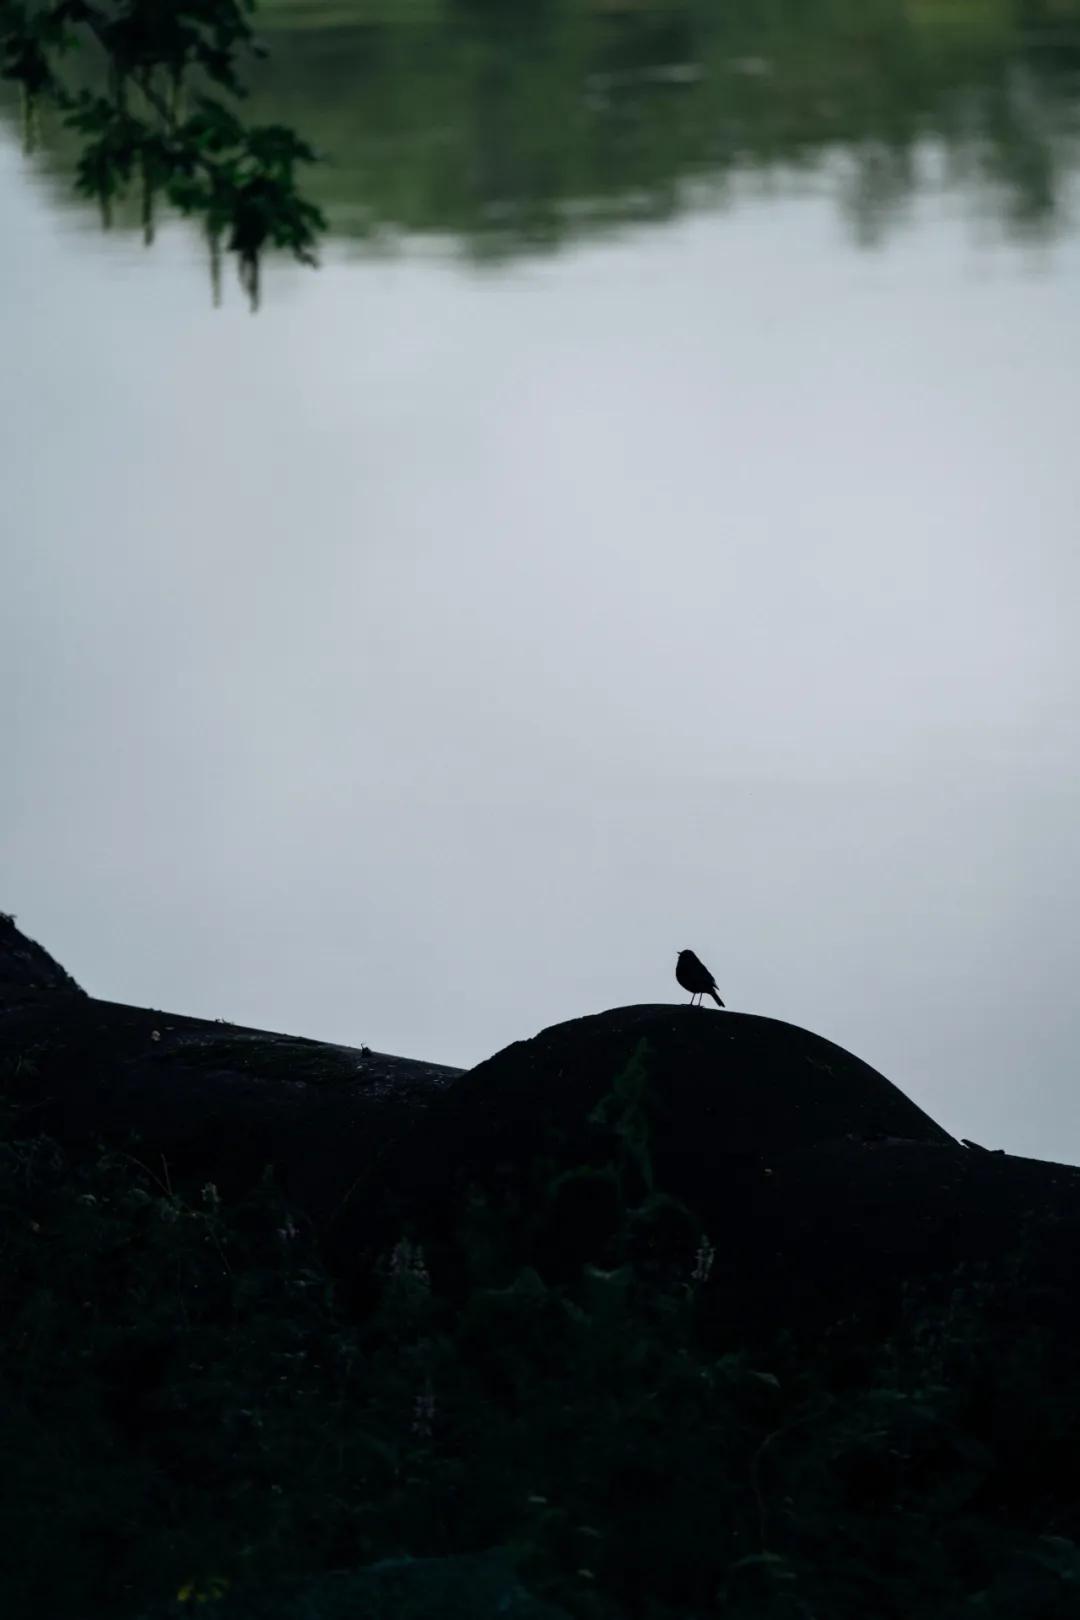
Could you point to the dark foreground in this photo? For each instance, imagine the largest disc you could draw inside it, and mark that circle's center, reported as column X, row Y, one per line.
column 665, row 1313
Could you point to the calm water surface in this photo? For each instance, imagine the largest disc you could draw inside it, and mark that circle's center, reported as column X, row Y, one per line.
column 655, row 525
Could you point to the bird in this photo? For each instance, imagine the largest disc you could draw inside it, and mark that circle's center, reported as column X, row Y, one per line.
column 694, row 976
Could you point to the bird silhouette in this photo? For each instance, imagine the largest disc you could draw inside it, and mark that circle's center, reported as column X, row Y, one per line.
column 694, row 976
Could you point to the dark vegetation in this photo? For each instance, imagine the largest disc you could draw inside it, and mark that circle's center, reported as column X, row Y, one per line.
column 151, row 91
column 724, row 1326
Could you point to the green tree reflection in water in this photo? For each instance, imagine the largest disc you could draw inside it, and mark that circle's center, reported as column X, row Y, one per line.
column 515, row 129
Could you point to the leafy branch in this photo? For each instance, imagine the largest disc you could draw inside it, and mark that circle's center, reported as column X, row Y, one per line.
column 158, row 123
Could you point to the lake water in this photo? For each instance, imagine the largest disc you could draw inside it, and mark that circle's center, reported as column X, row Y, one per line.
column 655, row 525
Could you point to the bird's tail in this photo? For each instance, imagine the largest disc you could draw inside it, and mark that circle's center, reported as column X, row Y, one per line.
column 716, row 998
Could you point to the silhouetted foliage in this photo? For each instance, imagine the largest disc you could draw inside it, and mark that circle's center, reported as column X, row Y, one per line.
column 198, row 1420
column 156, row 121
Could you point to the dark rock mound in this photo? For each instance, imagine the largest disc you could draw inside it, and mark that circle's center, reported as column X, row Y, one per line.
column 722, row 1086
column 190, row 1096
column 215, row 1100
column 822, row 1187
column 27, row 972
column 820, row 1184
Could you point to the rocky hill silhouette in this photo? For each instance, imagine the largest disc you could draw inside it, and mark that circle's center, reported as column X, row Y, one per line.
column 819, row 1183
column 663, row 1312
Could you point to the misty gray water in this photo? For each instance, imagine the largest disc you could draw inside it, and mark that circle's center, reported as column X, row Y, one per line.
column 430, row 657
